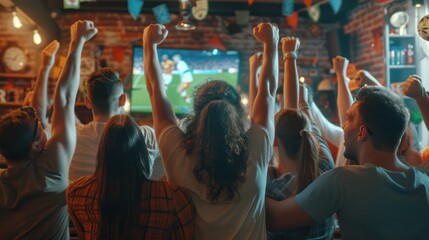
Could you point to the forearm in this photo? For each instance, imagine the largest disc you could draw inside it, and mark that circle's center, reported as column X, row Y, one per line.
column 290, row 85
column 423, row 104
column 270, row 68
column 40, row 96
column 344, row 97
column 253, row 88
column 330, row 131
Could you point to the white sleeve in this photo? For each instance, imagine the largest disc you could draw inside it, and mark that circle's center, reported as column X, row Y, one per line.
column 333, row 133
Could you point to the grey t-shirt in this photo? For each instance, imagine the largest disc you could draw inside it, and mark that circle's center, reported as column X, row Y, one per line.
column 32, row 201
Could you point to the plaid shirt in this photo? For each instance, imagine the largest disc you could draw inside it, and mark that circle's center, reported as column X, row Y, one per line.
column 166, row 211
column 282, row 187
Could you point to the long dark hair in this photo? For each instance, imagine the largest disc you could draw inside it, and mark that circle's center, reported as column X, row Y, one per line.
column 217, row 135
column 294, row 133
column 123, row 164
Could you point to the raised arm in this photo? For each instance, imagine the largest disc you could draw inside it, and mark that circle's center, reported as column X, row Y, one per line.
column 344, row 97
column 263, row 109
column 255, row 62
column 290, row 47
column 62, row 143
column 413, row 88
column 162, row 111
column 363, row 78
column 40, row 97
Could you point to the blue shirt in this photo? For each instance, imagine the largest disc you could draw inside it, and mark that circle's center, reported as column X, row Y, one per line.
column 371, row 202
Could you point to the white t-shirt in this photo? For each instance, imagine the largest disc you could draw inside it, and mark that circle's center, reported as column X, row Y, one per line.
column 333, row 133
column 241, row 219
column 185, row 72
column 84, row 160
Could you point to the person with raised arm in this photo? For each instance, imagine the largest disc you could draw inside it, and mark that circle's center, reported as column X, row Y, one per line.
column 255, row 63
column 413, row 88
column 219, row 160
column 32, row 188
column 303, row 154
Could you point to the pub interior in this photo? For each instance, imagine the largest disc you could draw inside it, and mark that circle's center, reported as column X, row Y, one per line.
column 253, row 119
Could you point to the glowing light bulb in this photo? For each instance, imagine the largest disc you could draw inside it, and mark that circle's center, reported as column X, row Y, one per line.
column 127, row 106
column 302, row 79
column 16, row 21
column 37, row 39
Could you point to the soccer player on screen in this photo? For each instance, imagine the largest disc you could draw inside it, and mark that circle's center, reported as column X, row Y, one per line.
column 185, row 77
column 167, row 69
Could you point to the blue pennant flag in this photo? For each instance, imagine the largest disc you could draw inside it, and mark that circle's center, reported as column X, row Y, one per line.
column 336, row 5
column 161, row 13
column 287, row 7
column 134, row 7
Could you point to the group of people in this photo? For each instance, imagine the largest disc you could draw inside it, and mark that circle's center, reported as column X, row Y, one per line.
column 220, row 180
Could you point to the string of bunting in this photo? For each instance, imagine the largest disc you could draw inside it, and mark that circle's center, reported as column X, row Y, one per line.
column 312, row 10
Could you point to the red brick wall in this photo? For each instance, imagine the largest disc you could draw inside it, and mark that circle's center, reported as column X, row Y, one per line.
column 363, row 20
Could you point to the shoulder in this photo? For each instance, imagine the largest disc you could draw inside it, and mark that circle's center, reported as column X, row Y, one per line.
column 79, row 183
column 168, row 189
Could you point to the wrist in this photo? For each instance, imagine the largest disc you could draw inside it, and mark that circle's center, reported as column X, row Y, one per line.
column 290, row 55
column 303, row 106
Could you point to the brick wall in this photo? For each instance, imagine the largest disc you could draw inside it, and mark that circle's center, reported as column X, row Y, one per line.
column 364, row 20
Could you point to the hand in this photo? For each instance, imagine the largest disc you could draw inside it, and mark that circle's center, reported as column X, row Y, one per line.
column 340, row 65
column 303, row 95
column 154, row 34
column 266, row 33
column 363, row 78
column 48, row 54
column 255, row 61
column 82, row 31
column 413, row 87
column 290, row 44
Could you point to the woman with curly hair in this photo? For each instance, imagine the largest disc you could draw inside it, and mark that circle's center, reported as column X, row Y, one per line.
column 220, row 160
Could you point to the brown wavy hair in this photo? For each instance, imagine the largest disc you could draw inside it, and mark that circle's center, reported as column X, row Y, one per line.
column 217, row 135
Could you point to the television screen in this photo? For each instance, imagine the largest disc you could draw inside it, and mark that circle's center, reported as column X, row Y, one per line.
column 182, row 70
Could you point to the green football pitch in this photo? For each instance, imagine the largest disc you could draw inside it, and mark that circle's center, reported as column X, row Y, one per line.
column 140, row 101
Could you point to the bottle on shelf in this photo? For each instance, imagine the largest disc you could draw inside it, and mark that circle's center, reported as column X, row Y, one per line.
column 410, row 54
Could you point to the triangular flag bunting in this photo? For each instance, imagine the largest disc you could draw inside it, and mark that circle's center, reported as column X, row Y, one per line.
column 314, row 13
column 308, row 3
column 287, row 7
column 336, row 5
column 376, row 34
column 71, row 4
column 161, row 13
column 250, row 2
column 293, row 20
column 217, row 43
column 134, row 7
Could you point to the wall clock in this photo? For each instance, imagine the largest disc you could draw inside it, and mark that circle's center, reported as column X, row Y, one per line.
column 14, row 59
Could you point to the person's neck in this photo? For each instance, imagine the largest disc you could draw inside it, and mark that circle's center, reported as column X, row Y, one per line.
column 285, row 165
column 101, row 117
column 385, row 159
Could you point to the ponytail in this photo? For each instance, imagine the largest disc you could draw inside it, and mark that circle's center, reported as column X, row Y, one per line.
column 308, row 163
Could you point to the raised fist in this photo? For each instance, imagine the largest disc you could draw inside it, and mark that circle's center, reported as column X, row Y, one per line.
column 340, row 64
column 290, row 44
column 82, row 30
column 266, row 33
column 413, row 87
column 154, row 34
column 48, row 54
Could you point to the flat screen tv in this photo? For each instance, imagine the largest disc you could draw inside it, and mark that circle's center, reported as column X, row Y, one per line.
column 182, row 68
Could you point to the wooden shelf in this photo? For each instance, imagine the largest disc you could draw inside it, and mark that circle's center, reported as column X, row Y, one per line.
column 17, row 75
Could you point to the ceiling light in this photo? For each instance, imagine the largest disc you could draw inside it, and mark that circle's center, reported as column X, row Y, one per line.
column 37, row 39
column 16, row 21
column 185, row 24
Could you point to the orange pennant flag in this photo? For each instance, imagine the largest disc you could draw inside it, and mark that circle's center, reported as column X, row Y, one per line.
column 308, row 3
column 292, row 20
column 250, row 2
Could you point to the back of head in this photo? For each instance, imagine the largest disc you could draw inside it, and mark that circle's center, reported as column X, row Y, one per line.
column 104, row 88
column 218, row 136
column 17, row 130
column 123, row 164
column 384, row 115
column 294, row 134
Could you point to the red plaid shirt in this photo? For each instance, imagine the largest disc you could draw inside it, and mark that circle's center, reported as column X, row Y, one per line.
column 166, row 211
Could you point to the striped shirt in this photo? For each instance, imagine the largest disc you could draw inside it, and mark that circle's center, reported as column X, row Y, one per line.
column 166, row 211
